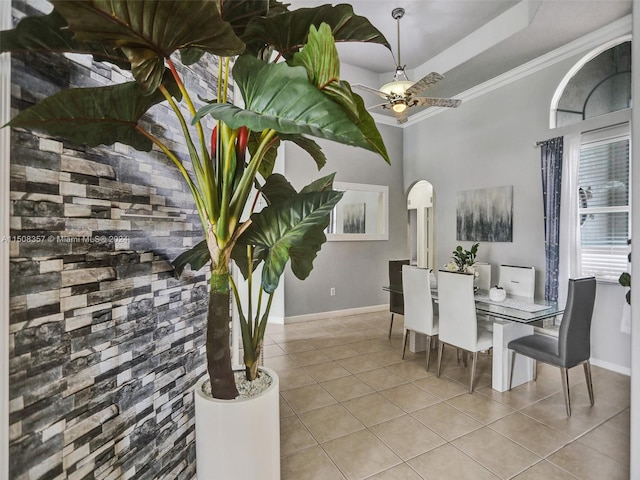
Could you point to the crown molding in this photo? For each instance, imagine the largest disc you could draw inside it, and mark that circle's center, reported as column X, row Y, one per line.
column 592, row 40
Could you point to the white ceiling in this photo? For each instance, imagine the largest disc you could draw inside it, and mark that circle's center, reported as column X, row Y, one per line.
column 471, row 41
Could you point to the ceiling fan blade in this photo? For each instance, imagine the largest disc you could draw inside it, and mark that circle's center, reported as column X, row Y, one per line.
column 423, row 83
column 401, row 117
column 383, row 105
column 436, row 102
column 370, row 90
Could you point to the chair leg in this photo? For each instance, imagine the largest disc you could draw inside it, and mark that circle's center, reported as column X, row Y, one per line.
column 429, row 338
column 535, row 370
column 440, row 350
column 404, row 342
column 564, row 373
column 390, row 326
column 473, row 371
column 587, row 375
column 513, row 364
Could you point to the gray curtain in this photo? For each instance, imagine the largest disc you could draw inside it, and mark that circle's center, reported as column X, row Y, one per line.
column 551, row 160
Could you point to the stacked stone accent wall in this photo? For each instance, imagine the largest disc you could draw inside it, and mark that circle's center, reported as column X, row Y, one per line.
column 105, row 344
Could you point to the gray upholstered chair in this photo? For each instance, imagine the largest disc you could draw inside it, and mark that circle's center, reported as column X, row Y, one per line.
column 573, row 345
column 418, row 306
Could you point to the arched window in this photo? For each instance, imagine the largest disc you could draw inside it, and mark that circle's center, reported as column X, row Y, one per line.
column 599, row 83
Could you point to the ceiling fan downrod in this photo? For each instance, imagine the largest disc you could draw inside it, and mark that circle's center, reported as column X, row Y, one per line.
column 397, row 14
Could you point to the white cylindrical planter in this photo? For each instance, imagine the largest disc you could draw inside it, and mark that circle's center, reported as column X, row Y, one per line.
column 238, row 439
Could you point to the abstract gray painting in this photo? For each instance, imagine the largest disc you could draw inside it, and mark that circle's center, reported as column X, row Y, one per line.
column 485, row 215
column 354, row 218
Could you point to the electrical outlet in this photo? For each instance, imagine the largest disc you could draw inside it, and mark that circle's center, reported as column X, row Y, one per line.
column 332, row 292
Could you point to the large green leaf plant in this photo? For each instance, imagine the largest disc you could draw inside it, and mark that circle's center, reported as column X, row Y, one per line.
column 287, row 68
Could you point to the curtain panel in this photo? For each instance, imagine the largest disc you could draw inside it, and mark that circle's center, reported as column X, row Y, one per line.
column 551, row 162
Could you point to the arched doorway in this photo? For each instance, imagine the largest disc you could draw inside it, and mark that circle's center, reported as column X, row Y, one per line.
column 421, row 224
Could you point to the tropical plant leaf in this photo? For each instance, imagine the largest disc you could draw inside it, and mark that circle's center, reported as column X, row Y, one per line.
column 189, row 56
column 150, row 31
column 279, row 97
column 95, row 116
column 240, row 12
column 288, row 32
column 277, row 189
column 320, row 185
column 309, row 146
column 269, row 160
column 197, row 257
column 303, row 254
column 239, row 256
column 319, row 57
column 367, row 126
column 48, row 33
column 625, row 279
column 280, row 227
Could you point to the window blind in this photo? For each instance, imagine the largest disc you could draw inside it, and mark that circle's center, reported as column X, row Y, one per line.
column 604, row 212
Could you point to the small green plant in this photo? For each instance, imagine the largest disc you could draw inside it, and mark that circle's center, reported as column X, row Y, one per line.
column 463, row 259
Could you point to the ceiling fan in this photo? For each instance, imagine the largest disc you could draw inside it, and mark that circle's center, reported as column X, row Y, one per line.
column 400, row 93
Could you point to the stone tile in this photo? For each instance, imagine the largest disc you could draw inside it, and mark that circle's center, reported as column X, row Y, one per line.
column 346, row 388
column 323, row 372
column 307, row 398
column 410, row 369
column 588, row 464
column 360, row 455
column 481, row 408
column 386, row 357
column 381, row 379
column 610, row 441
column 310, row 357
column 373, row 409
column 358, row 364
column 294, row 436
column 399, row 472
column 297, row 346
column 330, row 422
column 446, row 421
column 441, row 387
column 285, row 409
column 621, row 422
column 544, row 471
column 531, row 434
column 294, row 378
column 409, row 397
column 337, row 353
column 281, row 363
column 407, row 437
column 497, row 453
column 310, row 464
column 447, row 462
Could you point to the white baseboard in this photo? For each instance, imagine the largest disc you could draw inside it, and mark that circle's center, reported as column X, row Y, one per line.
column 611, row 366
column 336, row 313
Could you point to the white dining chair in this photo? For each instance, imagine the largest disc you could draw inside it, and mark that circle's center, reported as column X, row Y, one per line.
column 483, row 282
column 458, row 324
column 516, row 280
column 418, row 306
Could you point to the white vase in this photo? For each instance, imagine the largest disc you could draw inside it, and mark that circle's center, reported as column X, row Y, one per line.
column 238, row 439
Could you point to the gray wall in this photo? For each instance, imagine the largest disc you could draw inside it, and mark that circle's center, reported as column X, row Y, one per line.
column 487, row 142
column 356, row 269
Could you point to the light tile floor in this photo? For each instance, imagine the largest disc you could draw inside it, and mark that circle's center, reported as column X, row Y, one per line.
column 351, row 408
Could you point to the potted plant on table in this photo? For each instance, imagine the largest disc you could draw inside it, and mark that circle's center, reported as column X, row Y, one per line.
column 463, row 260
column 287, row 69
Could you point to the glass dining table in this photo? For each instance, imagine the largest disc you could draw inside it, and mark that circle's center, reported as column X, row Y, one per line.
column 513, row 317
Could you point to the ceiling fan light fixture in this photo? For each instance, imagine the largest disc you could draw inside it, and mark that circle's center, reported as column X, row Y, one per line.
column 396, row 87
column 399, row 107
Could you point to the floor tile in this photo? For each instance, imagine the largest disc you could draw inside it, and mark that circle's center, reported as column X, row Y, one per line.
column 479, row 407
column 281, row 363
column 285, row 409
column 358, row 364
column 360, row 455
column 407, row 437
column 322, row 372
column 588, row 464
column 307, row 398
column 621, row 421
column 497, row 453
column 337, row 353
column 373, row 409
column 346, row 388
column 442, row 387
column 409, row 397
column 297, row 346
column 410, row 369
column 399, row 472
column 272, row 351
column 386, row 357
column 446, row 421
column 294, row 436
column 447, row 462
column 609, row 441
column 294, row 378
column 310, row 357
column 531, row 434
column 544, row 470
column 310, row 464
column 370, row 346
column 381, row 379
column 330, row 422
